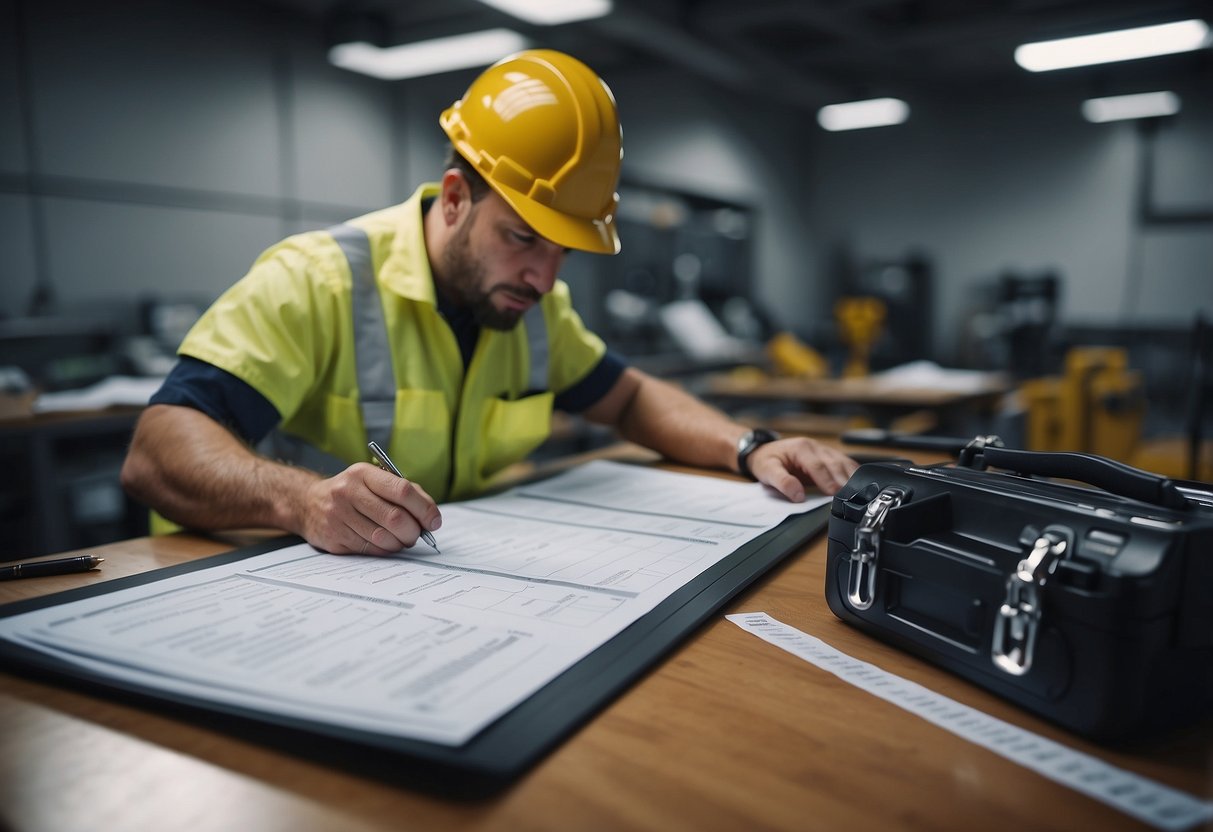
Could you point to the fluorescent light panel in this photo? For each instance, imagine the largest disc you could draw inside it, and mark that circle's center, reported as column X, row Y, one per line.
column 427, row 57
column 551, row 12
column 1119, row 107
column 856, row 115
column 1107, row 47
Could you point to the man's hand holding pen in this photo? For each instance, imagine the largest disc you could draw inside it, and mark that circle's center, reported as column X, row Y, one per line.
column 369, row 511
column 380, row 458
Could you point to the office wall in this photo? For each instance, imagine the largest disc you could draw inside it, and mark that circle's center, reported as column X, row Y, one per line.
column 16, row 228
column 687, row 134
column 157, row 147
column 994, row 183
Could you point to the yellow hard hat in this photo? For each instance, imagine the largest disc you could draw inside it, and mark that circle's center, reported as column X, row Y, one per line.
column 542, row 129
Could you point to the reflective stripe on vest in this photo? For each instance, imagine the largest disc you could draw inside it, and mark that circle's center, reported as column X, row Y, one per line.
column 372, row 349
column 372, row 359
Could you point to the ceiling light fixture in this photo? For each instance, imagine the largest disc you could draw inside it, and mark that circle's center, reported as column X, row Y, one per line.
column 1108, row 47
column 551, row 12
column 1120, row 107
column 856, row 115
column 427, row 57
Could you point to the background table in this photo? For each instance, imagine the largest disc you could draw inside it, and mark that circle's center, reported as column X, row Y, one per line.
column 953, row 407
column 61, row 488
column 728, row 733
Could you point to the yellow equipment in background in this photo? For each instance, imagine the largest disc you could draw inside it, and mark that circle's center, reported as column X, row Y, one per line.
column 1096, row 406
column 860, row 320
column 792, row 357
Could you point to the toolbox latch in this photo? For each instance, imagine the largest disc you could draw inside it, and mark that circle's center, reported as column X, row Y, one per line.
column 861, row 580
column 1018, row 619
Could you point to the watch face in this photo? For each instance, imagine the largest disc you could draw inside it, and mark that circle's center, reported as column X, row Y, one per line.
column 758, row 436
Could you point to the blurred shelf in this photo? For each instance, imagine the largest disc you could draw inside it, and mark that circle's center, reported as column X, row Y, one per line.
column 61, row 490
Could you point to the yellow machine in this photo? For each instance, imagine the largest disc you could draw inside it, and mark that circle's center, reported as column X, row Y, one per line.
column 1096, row 406
column 860, row 320
column 792, row 357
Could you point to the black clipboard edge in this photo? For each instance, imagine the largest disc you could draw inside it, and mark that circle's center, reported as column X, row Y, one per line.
column 501, row 753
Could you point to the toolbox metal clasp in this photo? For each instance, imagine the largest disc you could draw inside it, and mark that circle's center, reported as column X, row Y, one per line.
column 1018, row 620
column 861, row 579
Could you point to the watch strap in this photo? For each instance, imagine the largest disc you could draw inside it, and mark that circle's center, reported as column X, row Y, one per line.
column 750, row 443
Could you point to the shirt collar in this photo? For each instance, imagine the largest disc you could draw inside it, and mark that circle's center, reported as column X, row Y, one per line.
column 406, row 271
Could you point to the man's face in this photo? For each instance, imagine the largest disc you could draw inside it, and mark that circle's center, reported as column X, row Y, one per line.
column 496, row 265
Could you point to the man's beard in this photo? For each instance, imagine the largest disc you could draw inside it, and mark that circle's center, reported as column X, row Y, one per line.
column 464, row 277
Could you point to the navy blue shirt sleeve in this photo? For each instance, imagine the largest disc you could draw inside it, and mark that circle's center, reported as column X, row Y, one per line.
column 233, row 403
column 594, row 386
column 228, row 400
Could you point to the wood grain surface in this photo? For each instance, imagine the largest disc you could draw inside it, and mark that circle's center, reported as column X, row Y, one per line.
column 728, row 733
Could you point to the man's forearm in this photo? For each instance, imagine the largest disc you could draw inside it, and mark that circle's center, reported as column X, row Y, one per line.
column 193, row 471
column 678, row 425
column 656, row 414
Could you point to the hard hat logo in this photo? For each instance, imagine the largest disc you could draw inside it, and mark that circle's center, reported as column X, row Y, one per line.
column 542, row 129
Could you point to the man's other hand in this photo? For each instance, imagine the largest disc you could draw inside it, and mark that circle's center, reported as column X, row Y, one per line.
column 792, row 464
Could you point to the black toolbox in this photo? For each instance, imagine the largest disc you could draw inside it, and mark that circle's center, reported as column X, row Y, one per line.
column 1090, row 606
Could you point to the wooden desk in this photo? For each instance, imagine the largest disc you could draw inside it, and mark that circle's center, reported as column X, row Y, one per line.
column 728, row 733
column 870, row 394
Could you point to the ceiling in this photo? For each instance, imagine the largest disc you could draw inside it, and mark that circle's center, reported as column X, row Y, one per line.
column 813, row 52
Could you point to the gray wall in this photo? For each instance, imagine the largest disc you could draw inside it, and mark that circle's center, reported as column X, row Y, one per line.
column 164, row 145
column 159, row 147
column 169, row 143
column 1018, row 184
column 685, row 134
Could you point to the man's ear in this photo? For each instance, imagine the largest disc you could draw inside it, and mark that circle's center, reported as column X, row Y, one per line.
column 456, row 197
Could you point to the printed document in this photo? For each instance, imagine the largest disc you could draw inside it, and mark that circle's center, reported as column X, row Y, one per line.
column 420, row 645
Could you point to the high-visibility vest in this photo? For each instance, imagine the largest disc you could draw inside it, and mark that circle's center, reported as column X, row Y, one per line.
column 373, row 362
column 340, row 331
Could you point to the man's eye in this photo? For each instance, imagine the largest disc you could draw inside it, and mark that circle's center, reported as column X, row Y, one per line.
column 525, row 239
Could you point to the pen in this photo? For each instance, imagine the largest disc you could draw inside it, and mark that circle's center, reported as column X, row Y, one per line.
column 385, row 462
column 41, row 568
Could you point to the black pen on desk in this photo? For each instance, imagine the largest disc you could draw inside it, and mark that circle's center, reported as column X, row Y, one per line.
column 385, row 462
column 43, row 568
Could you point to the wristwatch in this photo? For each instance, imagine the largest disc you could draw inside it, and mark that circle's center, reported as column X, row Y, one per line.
column 747, row 444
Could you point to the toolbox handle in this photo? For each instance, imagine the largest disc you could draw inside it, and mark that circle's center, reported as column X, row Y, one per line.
column 1099, row 471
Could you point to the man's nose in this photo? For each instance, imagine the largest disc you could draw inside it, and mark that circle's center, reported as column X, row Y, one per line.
column 542, row 270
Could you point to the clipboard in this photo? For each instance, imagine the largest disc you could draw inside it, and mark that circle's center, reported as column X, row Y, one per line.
column 503, row 751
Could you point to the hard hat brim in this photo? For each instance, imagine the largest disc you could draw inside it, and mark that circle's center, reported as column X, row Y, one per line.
column 598, row 236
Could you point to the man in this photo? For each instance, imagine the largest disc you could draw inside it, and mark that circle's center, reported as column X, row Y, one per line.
column 438, row 328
